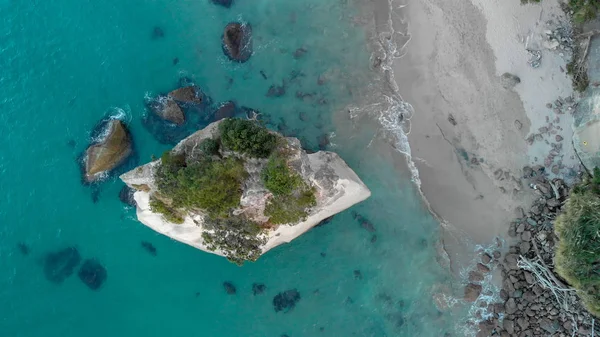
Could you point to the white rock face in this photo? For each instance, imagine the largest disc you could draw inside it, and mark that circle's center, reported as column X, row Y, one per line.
column 337, row 188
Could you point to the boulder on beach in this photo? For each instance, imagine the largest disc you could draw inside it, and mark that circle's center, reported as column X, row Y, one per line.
column 509, row 80
column 189, row 94
column 92, row 273
column 59, row 265
column 472, row 292
column 109, row 153
column 237, row 41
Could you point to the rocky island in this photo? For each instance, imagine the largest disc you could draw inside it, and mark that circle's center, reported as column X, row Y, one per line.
column 238, row 190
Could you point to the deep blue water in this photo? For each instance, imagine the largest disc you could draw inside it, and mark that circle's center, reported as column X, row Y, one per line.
column 64, row 65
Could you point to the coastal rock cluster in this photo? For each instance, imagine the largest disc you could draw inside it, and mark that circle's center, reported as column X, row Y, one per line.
column 530, row 308
column 553, row 134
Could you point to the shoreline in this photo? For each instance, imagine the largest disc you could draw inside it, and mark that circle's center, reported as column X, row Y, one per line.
column 468, row 134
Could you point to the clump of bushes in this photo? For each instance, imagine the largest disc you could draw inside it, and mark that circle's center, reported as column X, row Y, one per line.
column 169, row 213
column 238, row 238
column 291, row 196
column 247, row 137
column 584, row 10
column 577, row 258
column 212, row 185
column 278, row 178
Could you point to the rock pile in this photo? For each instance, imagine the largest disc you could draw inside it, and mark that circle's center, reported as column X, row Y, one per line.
column 529, row 309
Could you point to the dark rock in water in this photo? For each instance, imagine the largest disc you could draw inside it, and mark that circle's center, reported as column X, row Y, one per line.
column 59, row 265
column 323, row 142
column 373, row 238
column 364, row 222
column 237, row 41
column 323, row 254
column 126, row 196
column 71, row 143
column 276, row 91
column 224, row 3
column 92, row 273
column 262, row 73
column 325, row 221
column 187, row 94
column 149, row 247
column 226, row 110
column 349, row 300
column 23, row 248
column 167, row 109
column 258, row 288
column 357, row 274
column 284, row 335
column 175, row 61
column 157, row 33
column 229, row 288
column 286, row 300
column 322, row 329
column 109, row 153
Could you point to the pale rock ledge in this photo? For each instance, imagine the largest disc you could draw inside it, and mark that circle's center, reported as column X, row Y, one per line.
column 337, row 188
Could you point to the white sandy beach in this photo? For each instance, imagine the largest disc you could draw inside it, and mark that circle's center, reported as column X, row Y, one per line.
column 468, row 133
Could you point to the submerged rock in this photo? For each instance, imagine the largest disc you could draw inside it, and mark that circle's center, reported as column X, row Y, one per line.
column 59, row 265
column 286, row 300
column 149, row 247
column 157, row 33
column 258, row 288
column 109, row 153
column 276, row 91
column 237, row 41
column 364, row 222
column 23, row 248
column 92, row 273
column 126, row 196
column 224, row 3
column 229, row 288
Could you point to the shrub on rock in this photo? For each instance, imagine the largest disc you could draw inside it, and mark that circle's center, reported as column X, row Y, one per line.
column 578, row 251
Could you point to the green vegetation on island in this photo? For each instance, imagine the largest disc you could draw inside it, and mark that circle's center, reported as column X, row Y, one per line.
column 213, row 182
column 577, row 256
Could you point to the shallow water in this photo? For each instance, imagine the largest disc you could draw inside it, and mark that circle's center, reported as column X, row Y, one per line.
column 65, row 66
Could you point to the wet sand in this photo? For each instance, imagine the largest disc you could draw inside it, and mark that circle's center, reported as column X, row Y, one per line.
column 467, row 132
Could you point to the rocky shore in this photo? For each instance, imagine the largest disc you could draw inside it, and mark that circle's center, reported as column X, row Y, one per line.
column 533, row 300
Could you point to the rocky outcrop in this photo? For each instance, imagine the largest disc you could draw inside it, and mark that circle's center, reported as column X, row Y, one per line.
column 529, row 308
column 237, row 41
column 109, row 152
column 167, row 109
column 189, row 94
column 336, row 188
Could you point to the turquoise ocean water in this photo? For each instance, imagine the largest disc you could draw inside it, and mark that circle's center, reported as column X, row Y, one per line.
column 66, row 64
